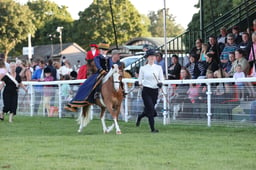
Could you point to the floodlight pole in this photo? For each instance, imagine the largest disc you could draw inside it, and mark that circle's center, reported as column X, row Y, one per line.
column 165, row 41
column 113, row 22
column 29, row 48
column 51, row 38
column 59, row 29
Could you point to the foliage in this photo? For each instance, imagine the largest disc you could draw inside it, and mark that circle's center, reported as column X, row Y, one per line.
column 48, row 17
column 212, row 10
column 52, row 143
column 16, row 22
column 157, row 22
column 95, row 23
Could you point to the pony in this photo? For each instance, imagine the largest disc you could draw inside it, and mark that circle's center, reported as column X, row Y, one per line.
column 110, row 98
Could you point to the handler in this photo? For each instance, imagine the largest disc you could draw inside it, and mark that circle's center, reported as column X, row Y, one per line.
column 151, row 78
column 86, row 92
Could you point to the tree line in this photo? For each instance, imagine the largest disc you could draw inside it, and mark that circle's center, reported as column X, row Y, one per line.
column 40, row 18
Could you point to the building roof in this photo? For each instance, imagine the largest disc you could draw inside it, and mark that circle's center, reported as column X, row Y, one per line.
column 154, row 41
column 54, row 49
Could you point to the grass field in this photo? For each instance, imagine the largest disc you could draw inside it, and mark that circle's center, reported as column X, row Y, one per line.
column 51, row 143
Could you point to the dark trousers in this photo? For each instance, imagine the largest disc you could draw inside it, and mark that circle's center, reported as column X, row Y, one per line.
column 149, row 97
column 10, row 102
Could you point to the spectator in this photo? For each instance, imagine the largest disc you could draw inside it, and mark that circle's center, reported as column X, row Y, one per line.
column 35, row 64
column 160, row 61
column 48, row 89
column 196, row 51
column 180, row 93
column 12, row 82
column 57, row 66
column 237, row 36
column 221, row 91
column 174, row 68
column 93, row 52
column 18, row 66
column 193, row 92
column 195, row 68
column 73, row 75
column 66, row 68
column 254, row 25
column 239, row 74
column 213, row 48
column 249, row 30
column 229, row 47
column 231, row 61
column 38, row 89
column 222, row 39
column 53, row 69
column 240, row 60
column 3, row 71
column 253, row 48
column 54, row 75
column 63, row 60
column 66, row 91
column 77, row 66
column 25, row 72
column 245, row 45
column 203, row 52
column 211, row 65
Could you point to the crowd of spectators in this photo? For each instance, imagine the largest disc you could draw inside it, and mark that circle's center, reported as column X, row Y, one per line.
column 228, row 55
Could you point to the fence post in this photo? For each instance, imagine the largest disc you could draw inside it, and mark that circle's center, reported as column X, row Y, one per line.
column 32, row 94
column 126, row 102
column 209, row 114
column 166, row 117
column 60, row 100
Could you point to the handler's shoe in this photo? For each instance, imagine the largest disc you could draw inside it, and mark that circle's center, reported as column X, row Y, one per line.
column 155, row 131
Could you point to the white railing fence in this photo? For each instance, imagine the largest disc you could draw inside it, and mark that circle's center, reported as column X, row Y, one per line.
column 173, row 102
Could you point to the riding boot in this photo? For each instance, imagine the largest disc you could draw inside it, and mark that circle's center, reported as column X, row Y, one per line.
column 10, row 117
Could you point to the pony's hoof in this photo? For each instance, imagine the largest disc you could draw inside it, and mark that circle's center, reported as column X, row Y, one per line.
column 79, row 131
column 118, row 132
column 106, row 131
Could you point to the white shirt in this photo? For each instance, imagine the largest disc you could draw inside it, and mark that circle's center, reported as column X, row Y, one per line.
column 148, row 75
column 65, row 70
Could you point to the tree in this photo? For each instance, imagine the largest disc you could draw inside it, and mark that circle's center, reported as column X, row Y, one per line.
column 95, row 23
column 157, row 22
column 212, row 10
column 48, row 17
column 16, row 22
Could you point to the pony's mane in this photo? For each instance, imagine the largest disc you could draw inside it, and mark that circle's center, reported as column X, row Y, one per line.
column 110, row 73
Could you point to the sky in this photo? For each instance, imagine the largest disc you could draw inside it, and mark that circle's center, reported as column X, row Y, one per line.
column 182, row 10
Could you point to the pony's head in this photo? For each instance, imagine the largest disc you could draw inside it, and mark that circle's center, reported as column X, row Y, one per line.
column 116, row 77
column 114, row 73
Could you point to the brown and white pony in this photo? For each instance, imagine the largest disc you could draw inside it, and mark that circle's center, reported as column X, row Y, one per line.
column 111, row 96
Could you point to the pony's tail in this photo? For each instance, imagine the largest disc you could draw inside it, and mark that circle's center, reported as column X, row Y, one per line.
column 85, row 116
